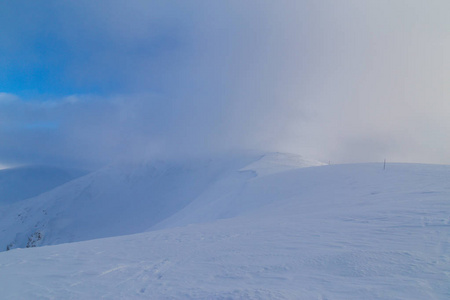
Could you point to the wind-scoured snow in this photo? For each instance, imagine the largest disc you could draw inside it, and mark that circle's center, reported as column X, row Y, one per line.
column 328, row 232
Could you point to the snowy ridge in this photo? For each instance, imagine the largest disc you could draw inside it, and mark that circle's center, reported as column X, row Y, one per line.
column 272, row 163
column 238, row 192
column 127, row 198
column 329, row 232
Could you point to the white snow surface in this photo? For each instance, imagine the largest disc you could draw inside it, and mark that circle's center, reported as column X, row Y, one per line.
column 326, row 232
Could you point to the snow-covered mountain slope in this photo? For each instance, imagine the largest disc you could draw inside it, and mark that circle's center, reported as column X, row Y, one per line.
column 21, row 183
column 225, row 197
column 329, row 232
column 130, row 198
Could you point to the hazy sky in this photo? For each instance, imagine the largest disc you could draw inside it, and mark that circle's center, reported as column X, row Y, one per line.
column 83, row 82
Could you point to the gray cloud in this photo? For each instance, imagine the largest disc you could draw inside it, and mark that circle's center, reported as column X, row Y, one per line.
column 341, row 81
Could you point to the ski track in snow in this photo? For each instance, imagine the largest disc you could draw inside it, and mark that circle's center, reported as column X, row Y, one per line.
column 330, row 232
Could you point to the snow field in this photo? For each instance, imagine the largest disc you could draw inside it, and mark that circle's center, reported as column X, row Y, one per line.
column 330, row 232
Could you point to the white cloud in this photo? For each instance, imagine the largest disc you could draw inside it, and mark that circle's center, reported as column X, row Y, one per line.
column 340, row 81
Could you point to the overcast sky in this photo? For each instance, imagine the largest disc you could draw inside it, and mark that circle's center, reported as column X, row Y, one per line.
column 86, row 82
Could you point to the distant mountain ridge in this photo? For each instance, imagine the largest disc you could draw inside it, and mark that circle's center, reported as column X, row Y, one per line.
column 20, row 183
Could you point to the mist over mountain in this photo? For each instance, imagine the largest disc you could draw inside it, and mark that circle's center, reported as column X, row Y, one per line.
column 85, row 84
column 21, row 183
column 258, row 149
